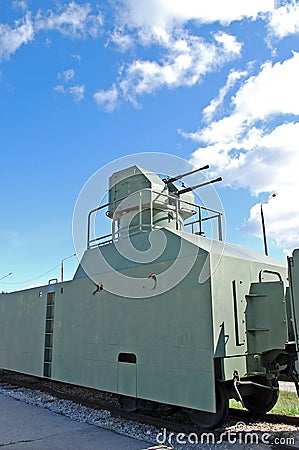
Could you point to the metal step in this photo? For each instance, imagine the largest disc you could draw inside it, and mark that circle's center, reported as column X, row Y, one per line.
column 255, row 295
column 258, row 329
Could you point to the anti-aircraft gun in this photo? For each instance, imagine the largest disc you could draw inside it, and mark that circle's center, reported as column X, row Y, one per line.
column 141, row 200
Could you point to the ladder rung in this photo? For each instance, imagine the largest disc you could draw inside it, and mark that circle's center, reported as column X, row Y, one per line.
column 258, row 329
column 255, row 295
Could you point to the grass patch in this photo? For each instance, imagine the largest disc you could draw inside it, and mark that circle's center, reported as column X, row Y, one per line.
column 287, row 404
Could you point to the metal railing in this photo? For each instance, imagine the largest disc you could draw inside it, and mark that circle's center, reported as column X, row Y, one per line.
column 173, row 203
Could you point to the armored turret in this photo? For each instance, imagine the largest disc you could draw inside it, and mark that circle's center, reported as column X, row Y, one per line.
column 140, row 200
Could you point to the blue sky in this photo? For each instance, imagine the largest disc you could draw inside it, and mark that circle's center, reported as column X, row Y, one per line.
column 83, row 83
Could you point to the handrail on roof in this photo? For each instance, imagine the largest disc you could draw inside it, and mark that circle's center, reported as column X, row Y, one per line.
column 173, row 201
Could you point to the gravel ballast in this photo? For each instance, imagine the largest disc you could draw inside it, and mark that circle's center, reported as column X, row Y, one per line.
column 238, row 435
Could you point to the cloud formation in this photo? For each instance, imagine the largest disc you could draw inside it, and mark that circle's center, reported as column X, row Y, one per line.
column 19, row 4
column 72, row 20
column 253, row 146
column 285, row 20
column 166, row 14
column 249, row 130
column 186, row 59
column 77, row 91
column 66, row 75
column 107, row 99
column 65, row 87
column 12, row 38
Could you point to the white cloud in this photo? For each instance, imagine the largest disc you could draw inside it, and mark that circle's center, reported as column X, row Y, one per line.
column 211, row 109
column 162, row 21
column 12, row 38
column 229, row 42
column 254, row 148
column 273, row 91
column 60, row 88
column 187, row 59
column 165, row 14
column 77, row 91
column 122, row 40
column 268, row 165
column 76, row 56
column 281, row 218
column 107, row 99
column 66, row 75
column 19, row 4
column 74, row 20
column 285, row 20
column 260, row 97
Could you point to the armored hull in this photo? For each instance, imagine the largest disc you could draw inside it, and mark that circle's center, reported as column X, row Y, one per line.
column 201, row 322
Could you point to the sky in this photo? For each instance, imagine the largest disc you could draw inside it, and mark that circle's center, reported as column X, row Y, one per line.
column 84, row 83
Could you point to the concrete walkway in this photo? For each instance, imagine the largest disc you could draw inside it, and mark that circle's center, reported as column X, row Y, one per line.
column 24, row 426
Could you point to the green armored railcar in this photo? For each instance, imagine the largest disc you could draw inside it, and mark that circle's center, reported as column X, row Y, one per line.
column 155, row 312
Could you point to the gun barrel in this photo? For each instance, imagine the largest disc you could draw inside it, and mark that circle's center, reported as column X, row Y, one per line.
column 179, row 177
column 191, row 188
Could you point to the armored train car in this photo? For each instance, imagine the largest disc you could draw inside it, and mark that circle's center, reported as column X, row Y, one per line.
column 158, row 311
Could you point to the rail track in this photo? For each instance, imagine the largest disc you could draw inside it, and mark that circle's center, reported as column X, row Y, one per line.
column 157, row 415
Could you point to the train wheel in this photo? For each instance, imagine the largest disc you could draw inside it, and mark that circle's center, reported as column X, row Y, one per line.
column 128, row 403
column 262, row 400
column 207, row 420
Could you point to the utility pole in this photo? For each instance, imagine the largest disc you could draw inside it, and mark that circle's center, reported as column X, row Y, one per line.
column 264, row 231
column 62, row 267
column 264, row 226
